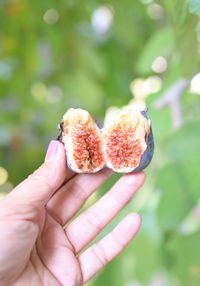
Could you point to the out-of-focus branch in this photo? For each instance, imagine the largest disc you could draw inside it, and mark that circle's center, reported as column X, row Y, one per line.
column 172, row 97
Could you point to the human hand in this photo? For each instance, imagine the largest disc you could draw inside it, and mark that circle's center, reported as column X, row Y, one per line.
column 36, row 250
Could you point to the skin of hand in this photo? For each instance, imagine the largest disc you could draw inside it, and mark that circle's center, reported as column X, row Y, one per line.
column 35, row 248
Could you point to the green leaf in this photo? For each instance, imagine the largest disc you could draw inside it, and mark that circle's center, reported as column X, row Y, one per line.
column 186, row 258
column 180, row 15
column 111, row 274
column 146, row 256
column 160, row 44
column 198, row 31
column 179, row 180
column 194, row 6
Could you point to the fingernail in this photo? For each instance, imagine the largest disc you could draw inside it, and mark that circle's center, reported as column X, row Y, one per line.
column 53, row 146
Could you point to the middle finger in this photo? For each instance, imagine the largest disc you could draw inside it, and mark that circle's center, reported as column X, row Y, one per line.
column 83, row 229
column 72, row 195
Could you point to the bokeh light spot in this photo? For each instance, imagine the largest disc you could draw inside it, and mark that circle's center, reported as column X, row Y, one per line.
column 51, row 16
column 145, row 2
column 195, row 84
column 155, row 11
column 5, row 71
column 39, row 91
column 102, row 19
column 194, row 270
column 3, row 176
column 159, row 65
column 153, row 84
column 137, row 87
column 54, row 94
column 43, row 94
column 141, row 88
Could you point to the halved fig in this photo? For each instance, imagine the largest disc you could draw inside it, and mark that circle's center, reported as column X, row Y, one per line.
column 127, row 140
column 82, row 139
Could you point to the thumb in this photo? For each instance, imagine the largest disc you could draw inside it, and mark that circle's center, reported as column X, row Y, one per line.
column 37, row 189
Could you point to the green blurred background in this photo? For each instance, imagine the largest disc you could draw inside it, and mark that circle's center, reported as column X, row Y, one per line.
column 94, row 54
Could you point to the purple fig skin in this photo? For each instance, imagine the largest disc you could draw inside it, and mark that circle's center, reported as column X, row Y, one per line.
column 60, row 128
column 60, row 138
column 147, row 155
column 144, row 113
column 97, row 122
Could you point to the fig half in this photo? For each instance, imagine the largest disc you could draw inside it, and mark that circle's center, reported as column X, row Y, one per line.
column 127, row 140
column 82, row 139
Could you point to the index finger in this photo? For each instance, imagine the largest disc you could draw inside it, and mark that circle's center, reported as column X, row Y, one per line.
column 39, row 187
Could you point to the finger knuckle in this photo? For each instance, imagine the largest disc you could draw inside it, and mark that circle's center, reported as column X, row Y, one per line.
column 100, row 254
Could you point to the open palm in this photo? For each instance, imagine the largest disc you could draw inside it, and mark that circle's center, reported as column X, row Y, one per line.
column 35, row 249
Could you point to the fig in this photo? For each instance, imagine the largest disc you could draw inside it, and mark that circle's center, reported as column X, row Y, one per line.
column 127, row 140
column 125, row 144
column 82, row 140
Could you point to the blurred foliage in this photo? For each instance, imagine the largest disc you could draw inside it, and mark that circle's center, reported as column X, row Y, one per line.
column 58, row 54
